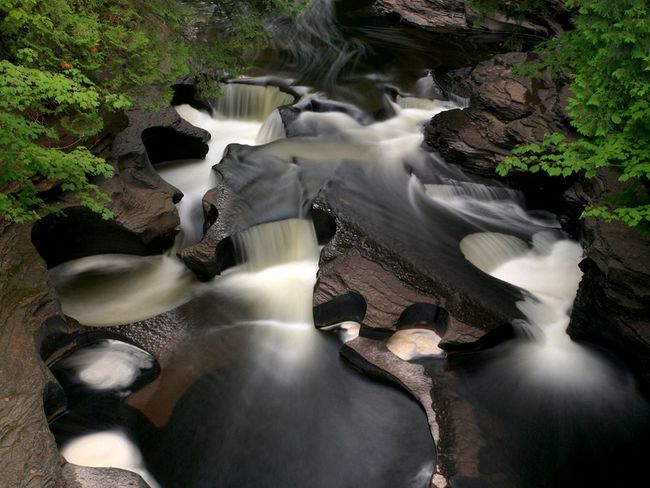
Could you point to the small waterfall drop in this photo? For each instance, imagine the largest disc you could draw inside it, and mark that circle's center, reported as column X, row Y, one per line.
column 272, row 129
column 242, row 101
column 280, row 261
column 277, row 243
column 244, row 114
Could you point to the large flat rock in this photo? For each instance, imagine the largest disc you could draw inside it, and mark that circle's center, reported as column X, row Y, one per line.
column 394, row 247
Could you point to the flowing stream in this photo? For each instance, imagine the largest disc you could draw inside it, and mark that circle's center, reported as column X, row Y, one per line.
column 255, row 396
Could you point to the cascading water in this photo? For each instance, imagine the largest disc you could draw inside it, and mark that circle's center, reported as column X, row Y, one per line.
column 254, row 396
column 244, row 114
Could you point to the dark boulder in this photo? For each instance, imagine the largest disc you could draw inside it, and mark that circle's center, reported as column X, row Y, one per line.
column 254, row 188
column 395, row 247
column 163, row 135
column 612, row 307
column 143, row 204
column 505, row 111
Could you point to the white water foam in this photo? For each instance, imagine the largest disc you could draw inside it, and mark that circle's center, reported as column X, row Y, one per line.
column 278, row 274
column 107, row 449
column 341, row 137
column 108, row 365
column 195, row 177
column 346, row 330
column 549, row 272
column 114, row 289
column 244, row 114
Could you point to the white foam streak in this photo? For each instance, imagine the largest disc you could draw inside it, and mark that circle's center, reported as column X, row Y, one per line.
column 117, row 289
column 281, row 293
column 109, row 365
column 549, row 271
column 107, row 449
column 341, row 137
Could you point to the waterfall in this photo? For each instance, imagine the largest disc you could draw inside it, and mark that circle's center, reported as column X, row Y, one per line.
column 275, row 281
column 239, row 118
column 272, row 129
column 276, row 243
column 548, row 271
column 242, row 101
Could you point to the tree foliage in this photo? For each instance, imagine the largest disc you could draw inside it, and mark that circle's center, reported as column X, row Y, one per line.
column 65, row 65
column 607, row 57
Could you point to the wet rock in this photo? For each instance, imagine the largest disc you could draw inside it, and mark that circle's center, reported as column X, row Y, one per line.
column 85, row 477
column 28, row 452
column 453, row 421
column 505, row 110
column 439, row 15
column 612, row 307
column 254, row 188
column 387, row 250
column 143, row 204
column 458, row 15
column 374, row 358
column 163, row 135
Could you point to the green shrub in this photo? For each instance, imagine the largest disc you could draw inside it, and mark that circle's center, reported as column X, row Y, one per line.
column 65, row 65
column 607, row 57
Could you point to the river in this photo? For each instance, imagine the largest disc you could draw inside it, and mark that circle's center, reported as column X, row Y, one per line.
column 255, row 396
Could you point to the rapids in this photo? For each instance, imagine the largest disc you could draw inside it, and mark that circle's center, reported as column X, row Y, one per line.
column 253, row 395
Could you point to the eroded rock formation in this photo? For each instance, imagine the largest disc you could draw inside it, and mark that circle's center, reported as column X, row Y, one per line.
column 29, row 454
column 612, row 307
column 253, row 188
column 143, row 203
column 505, row 111
column 387, row 252
column 458, row 15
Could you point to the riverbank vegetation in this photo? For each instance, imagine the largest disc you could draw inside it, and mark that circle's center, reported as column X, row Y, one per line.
column 606, row 57
column 67, row 65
